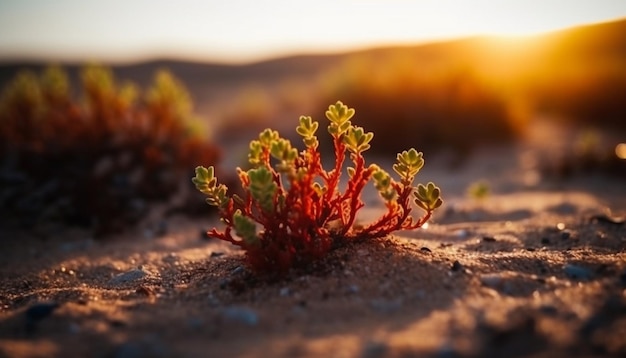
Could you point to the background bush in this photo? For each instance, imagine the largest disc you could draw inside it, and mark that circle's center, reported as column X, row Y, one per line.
column 96, row 158
column 407, row 105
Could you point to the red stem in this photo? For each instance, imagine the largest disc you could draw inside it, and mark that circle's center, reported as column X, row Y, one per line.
column 333, row 181
column 355, row 187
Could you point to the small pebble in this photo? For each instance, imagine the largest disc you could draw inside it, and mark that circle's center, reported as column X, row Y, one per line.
column 74, row 328
column 420, row 294
column 129, row 350
column 224, row 283
column 462, row 233
column 242, row 315
column 171, row 257
column 456, row 266
column 238, row 270
column 375, row 350
column 548, row 310
column 577, row 272
column 195, row 322
column 214, row 301
column 116, row 323
column 128, row 277
column 489, row 239
column 491, row 280
column 425, row 249
column 39, row 311
column 446, row 351
column 150, row 345
column 161, row 228
column 76, row 246
column 386, row 306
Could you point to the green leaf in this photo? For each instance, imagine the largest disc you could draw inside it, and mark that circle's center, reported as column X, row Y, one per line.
column 245, row 228
column 319, row 189
column 382, row 183
column 307, row 129
column 201, row 180
column 281, row 149
column 217, row 196
column 408, row 164
column 267, row 137
column 339, row 112
column 263, row 188
column 311, row 142
column 339, row 116
column 256, row 149
column 428, row 197
column 357, row 140
column 206, row 183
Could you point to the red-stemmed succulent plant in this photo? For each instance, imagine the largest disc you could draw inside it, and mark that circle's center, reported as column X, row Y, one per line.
column 292, row 210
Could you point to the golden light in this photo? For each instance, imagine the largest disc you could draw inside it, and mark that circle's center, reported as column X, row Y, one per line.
column 239, row 30
column 620, row 150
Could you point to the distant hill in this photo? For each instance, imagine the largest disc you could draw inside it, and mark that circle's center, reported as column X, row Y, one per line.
column 193, row 73
column 592, row 40
column 584, row 43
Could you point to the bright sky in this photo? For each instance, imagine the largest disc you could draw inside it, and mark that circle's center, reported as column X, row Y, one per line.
column 249, row 30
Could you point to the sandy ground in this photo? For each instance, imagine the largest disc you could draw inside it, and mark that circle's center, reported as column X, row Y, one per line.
column 536, row 269
column 526, row 274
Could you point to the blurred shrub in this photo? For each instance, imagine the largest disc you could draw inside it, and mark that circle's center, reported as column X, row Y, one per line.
column 98, row 160
column 406, row 104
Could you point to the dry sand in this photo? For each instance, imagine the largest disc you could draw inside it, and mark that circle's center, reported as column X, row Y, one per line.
column 526, row 274
column 536, row 269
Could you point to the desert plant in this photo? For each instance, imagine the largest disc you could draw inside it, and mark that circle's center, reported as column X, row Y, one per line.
column 298, row 203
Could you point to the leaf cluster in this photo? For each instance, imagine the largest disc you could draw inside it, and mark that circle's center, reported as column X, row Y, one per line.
column 292, row 210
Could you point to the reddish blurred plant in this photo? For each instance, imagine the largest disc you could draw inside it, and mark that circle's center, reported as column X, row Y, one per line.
column 298, row 203
column 99, row 159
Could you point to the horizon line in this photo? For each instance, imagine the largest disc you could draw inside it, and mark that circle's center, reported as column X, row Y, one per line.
column 188, row 56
